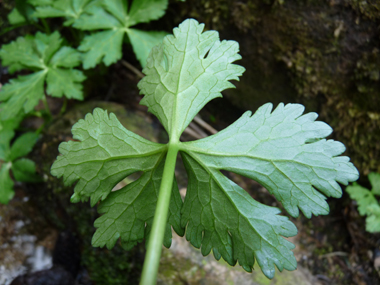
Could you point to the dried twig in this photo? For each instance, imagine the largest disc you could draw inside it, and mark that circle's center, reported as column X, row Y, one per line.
column 132, row 68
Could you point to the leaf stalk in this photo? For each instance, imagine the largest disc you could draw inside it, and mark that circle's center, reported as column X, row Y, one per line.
column 154, row 249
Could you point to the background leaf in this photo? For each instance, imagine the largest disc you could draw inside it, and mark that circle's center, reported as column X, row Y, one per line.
column 6, row 185
column 23, row 145
column 24, row 170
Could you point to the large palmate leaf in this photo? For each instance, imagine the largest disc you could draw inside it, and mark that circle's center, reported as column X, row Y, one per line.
column 51, row 62
column 115, row 18
column 283, row 150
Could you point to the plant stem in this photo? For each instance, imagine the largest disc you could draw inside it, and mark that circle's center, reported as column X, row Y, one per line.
column 47, row 107
column 152, row 257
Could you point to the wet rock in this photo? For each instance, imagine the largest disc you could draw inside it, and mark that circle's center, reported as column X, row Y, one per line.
column 184, row 264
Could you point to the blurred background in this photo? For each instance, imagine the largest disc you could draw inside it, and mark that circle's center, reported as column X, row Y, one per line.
column 322, row 54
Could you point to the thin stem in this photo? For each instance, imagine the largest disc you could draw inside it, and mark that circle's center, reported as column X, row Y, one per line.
column 46, row 26
column 152, row 257
column 64, row 106
column 47, row 107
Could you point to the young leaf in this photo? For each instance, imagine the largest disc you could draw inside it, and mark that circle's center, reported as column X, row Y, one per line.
column 115, row 18
column 368, row 205
column 284, row 150
column 52, row 64
column 22, row 169
column 6, row 184
column 70, row 9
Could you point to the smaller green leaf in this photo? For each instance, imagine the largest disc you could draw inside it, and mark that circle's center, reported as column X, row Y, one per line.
column 97, row 18
column 102, row 46
column 22, row 93
column 15, row 17
column 363, row 196
column 41, row 2
column 24, row 170
column 143, row 42
column 20, row 54
column 23, row 145
column 144, row 11
column 66, row 57
column 44, row 55
column 374, row 178
column 6, row 184
column 6, row 134
column 70, row 9
column 22, row 13
column 47, row 45
column 65, row 82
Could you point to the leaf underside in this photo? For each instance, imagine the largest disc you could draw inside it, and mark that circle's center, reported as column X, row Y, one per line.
column 283, row 150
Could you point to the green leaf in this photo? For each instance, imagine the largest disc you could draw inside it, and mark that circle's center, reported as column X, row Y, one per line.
column 128, row 210
column 373, row 220
column 23, row 145
column 221, row 216
column 283, row 150
column 24, row 170
column 20, row 53
column 22, row 93
column 103, row 45
column 144, row 11
column 44, row 55
column 71, row 10
column 22, row 13
column 106, row 154
column 47, row 45
column 363, row 196
column 285, row 153
column 6, row 185
column 6, row 134
column 116, row 20
column 142, row 42
column 66, row 57
column 368, row 205
column 178, row 72
column 65, row 82
column 15, row 17
column 374, row 178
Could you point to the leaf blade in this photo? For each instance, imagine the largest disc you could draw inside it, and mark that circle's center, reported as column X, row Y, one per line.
column 6, row 185
column 274, row 149
column 105, row 155
column 128, row 213
column 22, row 93
column 143, row 41
column 222, row 217
column 177, row 71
